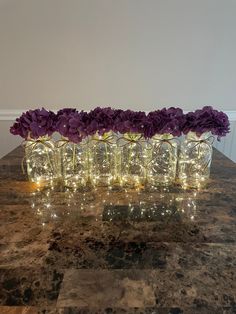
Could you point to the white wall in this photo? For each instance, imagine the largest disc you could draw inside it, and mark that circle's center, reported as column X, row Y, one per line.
column 227, row 145
column 140, row 54
column 130, row 52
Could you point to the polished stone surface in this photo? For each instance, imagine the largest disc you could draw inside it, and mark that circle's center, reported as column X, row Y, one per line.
column 104, row 251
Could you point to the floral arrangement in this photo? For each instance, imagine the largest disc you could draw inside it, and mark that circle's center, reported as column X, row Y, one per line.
column 164, row 121
column 34, row 124
column 128, row 121
column 76, row 125
column 100, row 120
column 206, row 119
column 71, row 124
column 139, row 156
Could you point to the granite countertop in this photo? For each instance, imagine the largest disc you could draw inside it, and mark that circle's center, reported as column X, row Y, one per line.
column 104, row 251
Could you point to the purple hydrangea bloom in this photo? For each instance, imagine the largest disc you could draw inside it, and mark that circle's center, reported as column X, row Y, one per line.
column 164, row 121
column 66, row 111
column 77, row 125
column 100, row 120
column 126, row 121
column 72, row 124
column 34, row 124
column 207, row 119
column 62, row 120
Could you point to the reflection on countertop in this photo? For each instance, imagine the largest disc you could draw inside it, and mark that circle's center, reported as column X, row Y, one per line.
column 163, row 250
column 160, row 205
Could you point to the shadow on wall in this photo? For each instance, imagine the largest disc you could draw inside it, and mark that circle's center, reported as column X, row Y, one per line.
column 8, row 141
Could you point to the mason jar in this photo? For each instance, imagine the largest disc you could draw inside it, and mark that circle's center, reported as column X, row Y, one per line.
column 161, row 169
column 132, row 160
column 103, row 159
column 73, row 162
column 41, row 161
column 195, row 160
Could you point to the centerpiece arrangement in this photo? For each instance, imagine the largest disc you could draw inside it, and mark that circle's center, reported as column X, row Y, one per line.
column 114, row 147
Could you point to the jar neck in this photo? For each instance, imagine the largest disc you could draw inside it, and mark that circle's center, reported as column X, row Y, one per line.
column 40, row 139
column 133, row 136
column 165, row 136
column 105, row 136
column 194, row 137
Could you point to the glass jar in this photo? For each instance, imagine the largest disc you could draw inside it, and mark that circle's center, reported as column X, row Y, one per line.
column 40, row 156
column 132, row 160
column 73, row 162
column 161, row 169
column 195, row 160
column 102, row 159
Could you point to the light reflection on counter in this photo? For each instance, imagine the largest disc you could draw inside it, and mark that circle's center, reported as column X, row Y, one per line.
column 163, row 204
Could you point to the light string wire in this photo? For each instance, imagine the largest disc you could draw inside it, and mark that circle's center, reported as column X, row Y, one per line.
column 31, row 144
column 65, row 141
column 106, row 139
column 158, row 145
column 198, row 145
column 130, row 140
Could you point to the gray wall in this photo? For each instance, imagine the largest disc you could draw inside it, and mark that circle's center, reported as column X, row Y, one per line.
column 141, row 54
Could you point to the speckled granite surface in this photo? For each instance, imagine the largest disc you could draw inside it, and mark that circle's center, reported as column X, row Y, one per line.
column 163, row 251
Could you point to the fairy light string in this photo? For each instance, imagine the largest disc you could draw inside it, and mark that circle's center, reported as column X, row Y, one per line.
column 41, row 146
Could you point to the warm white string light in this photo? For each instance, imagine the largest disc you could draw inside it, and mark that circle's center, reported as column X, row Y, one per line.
column 127, row 161
column 103, row 159
column 162, row 160
column 73, row 164
column 195, row 160
column 40, row 160
column 132, row 152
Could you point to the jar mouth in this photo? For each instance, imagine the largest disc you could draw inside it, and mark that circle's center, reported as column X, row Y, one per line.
column 133, row 136
column 105, row 136
column 165, row 136
column 194, row 136
column 40, row 138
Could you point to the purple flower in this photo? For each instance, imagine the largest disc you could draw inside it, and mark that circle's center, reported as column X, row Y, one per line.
column 66, row 111
column 126, row 121
column 77, row 125
column 164, row 121
column 100, row 120
column 34, row 124
column 207, row 119
column 62, row 120
column 71, row 124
